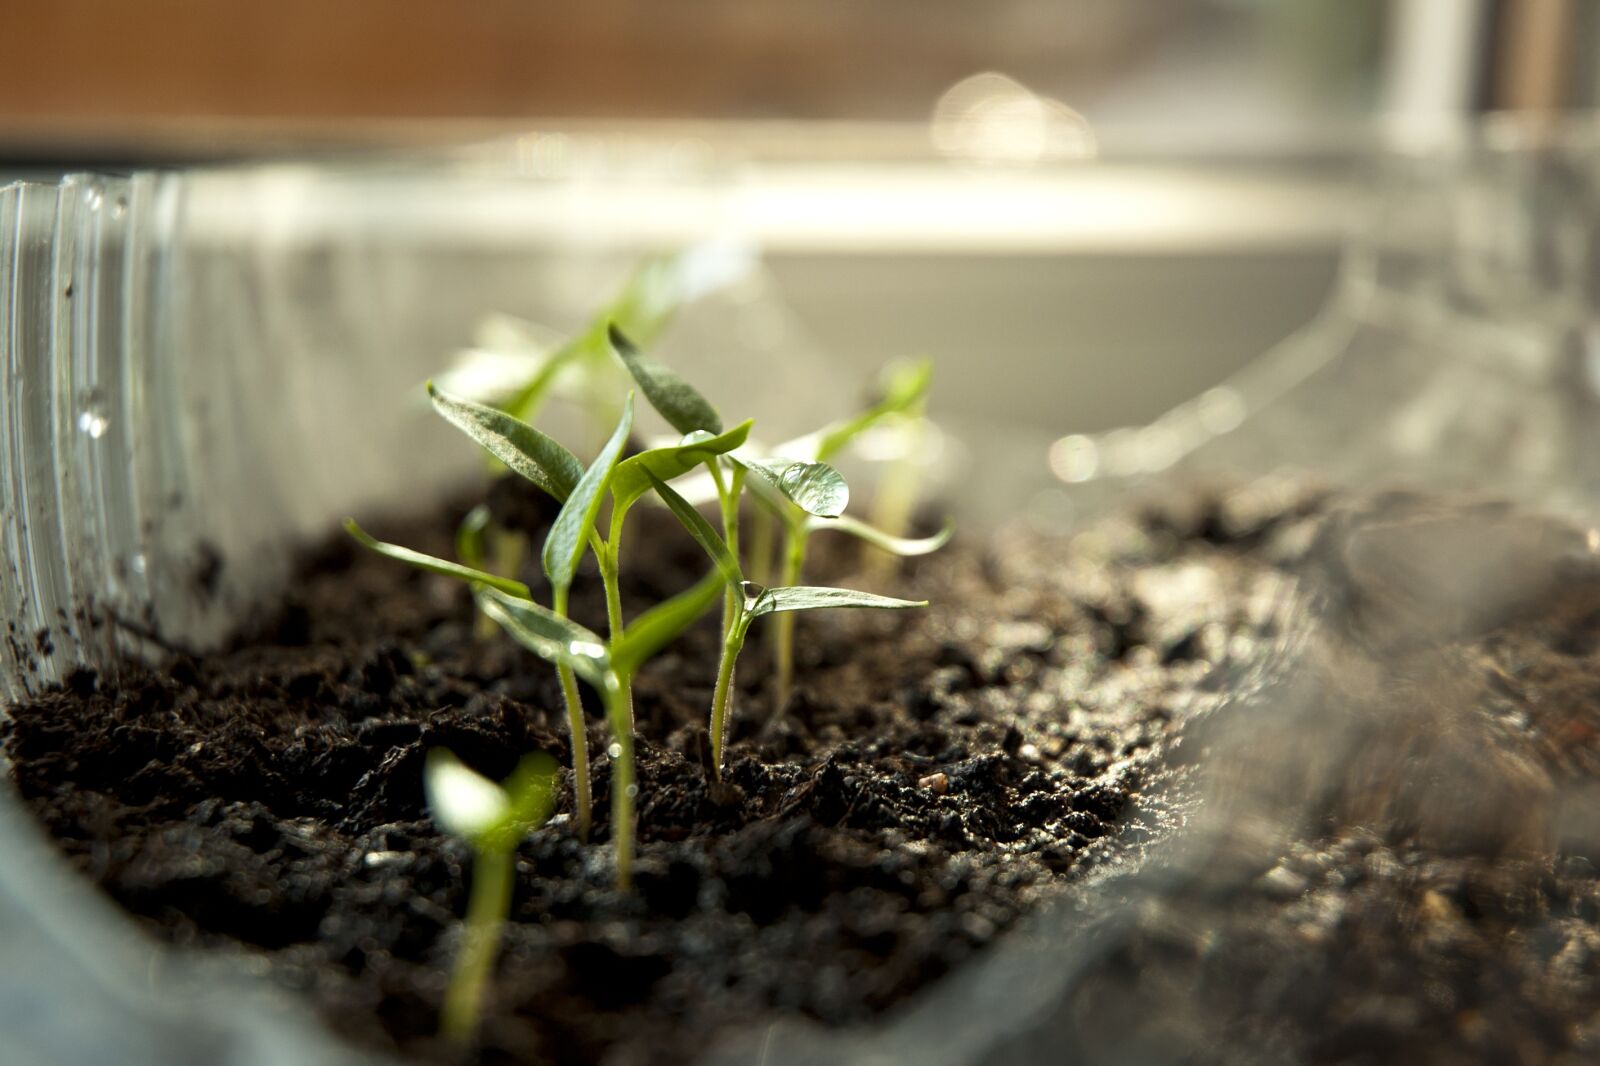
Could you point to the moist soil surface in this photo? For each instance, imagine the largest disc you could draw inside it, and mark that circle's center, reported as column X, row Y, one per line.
column 937, row 776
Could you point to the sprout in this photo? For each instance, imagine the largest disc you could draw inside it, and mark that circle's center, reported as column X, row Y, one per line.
column 547, row 632
column 493, row 819
column 807, row 494
column 752, row 602
column 804, row 495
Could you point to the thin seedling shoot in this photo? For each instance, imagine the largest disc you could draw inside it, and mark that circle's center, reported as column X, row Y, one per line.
column 493, row 819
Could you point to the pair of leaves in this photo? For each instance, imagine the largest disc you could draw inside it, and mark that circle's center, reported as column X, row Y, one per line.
column 759, row 601
column 557, row 471
column 815, row 487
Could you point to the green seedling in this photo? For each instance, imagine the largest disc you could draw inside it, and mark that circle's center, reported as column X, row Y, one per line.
column 752, row 602
column 905, row 390
column 517, row 369
column 607, row 667
column 552, row 468
column 493, row 819
column 609, row 670
column 803, row 495
column 690, row 413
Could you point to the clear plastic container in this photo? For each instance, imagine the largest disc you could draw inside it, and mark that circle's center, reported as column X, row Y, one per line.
column 203, row 370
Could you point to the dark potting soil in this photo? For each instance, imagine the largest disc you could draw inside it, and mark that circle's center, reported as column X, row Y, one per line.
column 938, row 775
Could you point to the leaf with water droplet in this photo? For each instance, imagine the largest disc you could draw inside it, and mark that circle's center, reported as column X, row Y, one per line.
column 816, row 488
column 674, row 398
column 813, row 597
column 435, row 565
column 515, row 443
column 569, row 534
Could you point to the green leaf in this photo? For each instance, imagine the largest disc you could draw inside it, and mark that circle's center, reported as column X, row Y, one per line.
column 674, row 398
column 469, row 536
column 816, row 488
column 532, row 791
column 905, row 387
column 436, row 565
column 700, row 530
column 661, row 624
column 551, row 637
column 904, row 546
column 813, row 597
column 649, row 299
column 632, row 480
column 513, row 442
column 525, row 402
column 569, row 534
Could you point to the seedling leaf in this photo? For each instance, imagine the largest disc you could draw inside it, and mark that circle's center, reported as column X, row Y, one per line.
column 674, row 398
column 515, row 443
column 462, row 800
column 905, row 387
column 469, row 536
column 700, row 530
column 524, row 403
column 813, row 597
column 903, row 546
column 435, row 565
column 569, row 534
column 661, row 624
column 531, row 790
column 816, row 488
column 631, row 481
column 549, row 636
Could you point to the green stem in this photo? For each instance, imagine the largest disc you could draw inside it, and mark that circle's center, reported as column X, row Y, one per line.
column 728, row 502
column 575, row 728
column 607, row 554
column 722, row 698
column 794, row 561
column 487, row 908
column 623, row 790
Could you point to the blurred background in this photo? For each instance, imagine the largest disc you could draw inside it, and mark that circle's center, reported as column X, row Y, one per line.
column 1086, row 211
column 164, row 79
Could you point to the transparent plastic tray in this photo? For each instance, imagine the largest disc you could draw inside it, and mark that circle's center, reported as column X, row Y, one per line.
column 189, row 362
